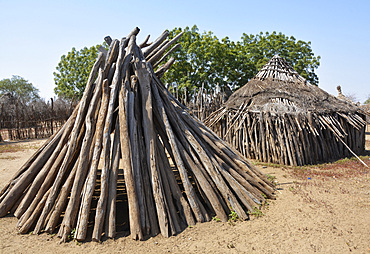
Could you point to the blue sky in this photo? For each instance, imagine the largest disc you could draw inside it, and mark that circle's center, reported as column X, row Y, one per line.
column 35, row 34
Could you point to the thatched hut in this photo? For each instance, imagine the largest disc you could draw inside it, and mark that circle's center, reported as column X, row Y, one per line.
column 279, row 117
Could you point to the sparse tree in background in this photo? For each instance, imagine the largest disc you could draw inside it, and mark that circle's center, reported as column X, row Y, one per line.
column 23, row 114
column 352, row 97
column 19, row 88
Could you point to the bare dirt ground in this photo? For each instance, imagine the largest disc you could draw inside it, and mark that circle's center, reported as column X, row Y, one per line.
column 318, row 209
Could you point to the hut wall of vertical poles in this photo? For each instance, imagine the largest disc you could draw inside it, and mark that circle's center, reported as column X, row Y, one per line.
column 279, row 117
column 202, row 102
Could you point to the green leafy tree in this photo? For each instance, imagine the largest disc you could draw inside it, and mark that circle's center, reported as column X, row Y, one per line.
column 73, row 72
column 260, row 48
column 19, row 88
column 204, row 59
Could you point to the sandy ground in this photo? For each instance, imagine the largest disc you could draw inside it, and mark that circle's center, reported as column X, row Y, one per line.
column 316, row 211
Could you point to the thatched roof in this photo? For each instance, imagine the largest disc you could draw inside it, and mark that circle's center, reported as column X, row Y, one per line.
column 278, row 88
column 280, row 117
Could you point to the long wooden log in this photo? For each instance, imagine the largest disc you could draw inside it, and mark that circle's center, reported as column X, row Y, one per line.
column 177, row 46
column 173, row 218
column 19, row 187
column 147, row 104
column 110, row 221
column 111, row 56
column 52, row 217
column 148, row 190
column 26, row 226
column 133, row 109
column 262, row 136
column 81, row 227
column 162, row 69
column 49, row 167
column 155, row 57
column 133, row 204
column 73, row 140
column 25, row 166
column 60, row 205
column 74, row 199
column 268, row 142
column 156, row 43
column 34, row 206
column 194, row 203
column 154, row 52
column 102, row 202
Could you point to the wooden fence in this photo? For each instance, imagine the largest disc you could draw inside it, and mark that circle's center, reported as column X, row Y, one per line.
column 201, row 103
column 29, row 129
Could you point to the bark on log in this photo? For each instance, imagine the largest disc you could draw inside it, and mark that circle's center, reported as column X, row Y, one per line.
column 74, row 199
column 25, row 166
column 133, row 204
column 194, row 203
column 18, row 188
column 102, row 204
column 73, row 140
column 156, row 43
column 47, row 173
column 132, row 116
column 52, row 216
column 146, row 96
column 110, row 221
column 81, row 227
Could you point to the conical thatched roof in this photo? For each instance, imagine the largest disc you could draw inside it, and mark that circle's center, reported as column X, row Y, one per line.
column 279, row 96
column 278, row 87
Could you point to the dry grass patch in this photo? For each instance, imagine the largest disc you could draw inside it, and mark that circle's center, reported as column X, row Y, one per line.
column 341, row 169
column 16, row 147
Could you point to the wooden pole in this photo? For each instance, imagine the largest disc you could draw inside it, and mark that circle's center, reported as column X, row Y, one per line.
column 90, row 182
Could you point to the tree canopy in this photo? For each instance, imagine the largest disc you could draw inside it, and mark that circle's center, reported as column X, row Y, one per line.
column 260, row 48
column 204, row 59
column 73, row 71
column 19, row 88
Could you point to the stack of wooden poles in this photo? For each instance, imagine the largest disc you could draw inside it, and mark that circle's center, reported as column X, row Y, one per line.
column 175, row 171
